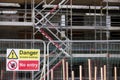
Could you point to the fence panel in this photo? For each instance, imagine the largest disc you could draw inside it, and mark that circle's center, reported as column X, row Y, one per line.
column 100, row 52
column 17, row 44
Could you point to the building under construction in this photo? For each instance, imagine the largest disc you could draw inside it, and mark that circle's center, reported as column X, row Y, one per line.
column 77, row 39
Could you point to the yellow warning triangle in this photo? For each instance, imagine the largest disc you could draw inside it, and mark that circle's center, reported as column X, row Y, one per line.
column 12, row 55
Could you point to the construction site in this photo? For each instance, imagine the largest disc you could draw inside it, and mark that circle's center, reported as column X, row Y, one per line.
column 59, row 39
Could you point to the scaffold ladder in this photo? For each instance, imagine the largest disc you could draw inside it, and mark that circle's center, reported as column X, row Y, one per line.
column 42, row 18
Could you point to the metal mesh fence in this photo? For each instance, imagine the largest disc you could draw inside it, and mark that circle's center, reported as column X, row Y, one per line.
column 17, row 44
column 100, row 53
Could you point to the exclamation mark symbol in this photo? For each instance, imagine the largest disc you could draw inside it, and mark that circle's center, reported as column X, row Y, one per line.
column 12, row 55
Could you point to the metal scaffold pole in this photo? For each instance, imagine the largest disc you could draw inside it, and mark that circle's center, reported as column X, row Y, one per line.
column 71, row 13
column 32, row 7
column 107, row 38
column 33, row 21
column 45, row 2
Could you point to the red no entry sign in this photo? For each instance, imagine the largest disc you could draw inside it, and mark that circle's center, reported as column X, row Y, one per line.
column 28, row 65
column 12, row 65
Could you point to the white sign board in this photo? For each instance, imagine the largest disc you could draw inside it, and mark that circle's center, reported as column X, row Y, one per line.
column 23, row 60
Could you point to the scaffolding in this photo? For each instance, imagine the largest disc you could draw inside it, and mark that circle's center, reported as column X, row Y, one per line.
column 77, row 44
column 43, row 24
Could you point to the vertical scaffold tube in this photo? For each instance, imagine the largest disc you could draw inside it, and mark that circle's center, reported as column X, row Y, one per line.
column 105, row 72
column 101, row 73
column 1, row 76
column 95, row 74
column 80, row 72
column 52, row 74
column 14, row 75
column 89, row 68
column 67, row 71
column 115, row 73
column 73, row 75
column 63, row 64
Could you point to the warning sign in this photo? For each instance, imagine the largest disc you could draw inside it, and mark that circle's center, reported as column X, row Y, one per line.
column 28, row 65
column 23, row 60
column 12, row 65
column 12, row 55
column 29, row 54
